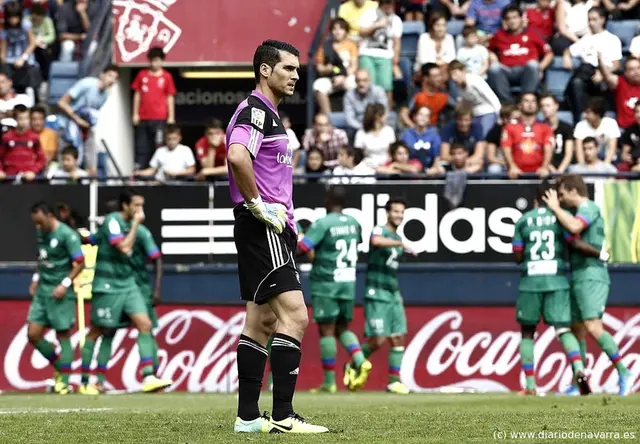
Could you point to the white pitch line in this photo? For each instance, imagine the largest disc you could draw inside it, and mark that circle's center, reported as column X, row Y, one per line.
column 44, row 410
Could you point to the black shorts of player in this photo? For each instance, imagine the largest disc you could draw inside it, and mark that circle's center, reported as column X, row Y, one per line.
column 266, row 265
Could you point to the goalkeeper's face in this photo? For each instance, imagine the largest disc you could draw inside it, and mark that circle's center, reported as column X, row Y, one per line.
column 396, row 215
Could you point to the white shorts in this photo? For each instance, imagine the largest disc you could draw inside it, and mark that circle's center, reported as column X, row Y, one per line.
column 324, row 85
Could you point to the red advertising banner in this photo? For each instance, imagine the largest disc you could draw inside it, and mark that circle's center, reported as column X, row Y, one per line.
column 448, row 349
column 210, row 31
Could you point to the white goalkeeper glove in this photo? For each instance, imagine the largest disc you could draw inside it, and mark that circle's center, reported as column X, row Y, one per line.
column 273, row 215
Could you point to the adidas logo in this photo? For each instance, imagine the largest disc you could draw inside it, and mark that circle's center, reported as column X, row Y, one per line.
column 294, row 372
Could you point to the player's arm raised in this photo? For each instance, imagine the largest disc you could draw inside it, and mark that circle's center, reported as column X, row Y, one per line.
column 124, row 244
column 571, row 223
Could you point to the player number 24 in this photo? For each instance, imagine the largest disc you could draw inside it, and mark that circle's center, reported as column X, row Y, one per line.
column 547, row 238
column 348, row 252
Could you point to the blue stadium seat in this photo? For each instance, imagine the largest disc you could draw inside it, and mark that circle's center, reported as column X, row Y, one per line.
column 611, row 114
column 413, row 28
column 338, row 119
column 62, row 76
column 409, row 46
column 625, row 30
column 454, row 27
column 556, row 82
column 566, row 116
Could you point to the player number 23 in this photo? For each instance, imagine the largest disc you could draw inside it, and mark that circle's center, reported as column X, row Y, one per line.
column 547, row 238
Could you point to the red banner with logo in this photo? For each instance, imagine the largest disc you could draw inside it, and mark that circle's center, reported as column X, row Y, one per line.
column 208, row 31
column 448, row 349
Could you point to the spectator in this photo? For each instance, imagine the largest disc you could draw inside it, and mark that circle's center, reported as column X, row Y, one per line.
column 69, row 171
column 211, row 151
column 413, row 10
column 381, row 30
column 73, row 21
column 80, row 106
column 486, row 15
column 495, row 160
column 423, row 141
column 450, row 8
column 460, row 160
column 351, row 11
column 9, row 100
column 48, row 137
column 347, row 167
column 171, row 161
column 592, row 164
column 572, row 23
column 631, row 144
column 527, row 145
column 563, row 132
column 400, row 162
column 315, row 165
column 626, row 89
column 431, row 95
column 634, row 47
column 294, row 142
column 587, row 79
column 540, row 19
column 473, row 90
column 357, row 100
column 604, row 129
column 518, row 57
column 154, row 106
column 326, row 138
column 463, row 130
column 622, row 10
column 435, row 46
column 336, row 64
column 375, row 136
column 17, row 45
column 20, row 152
column 474, row 55
column 44, row 33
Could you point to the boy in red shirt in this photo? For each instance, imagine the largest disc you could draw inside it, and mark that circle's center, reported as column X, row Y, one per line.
column 527, row 145
column 541, row 19
column 20, row 152
column 153, row 107
column 211, row 151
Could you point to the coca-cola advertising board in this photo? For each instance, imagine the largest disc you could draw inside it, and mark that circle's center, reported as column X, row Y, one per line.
column 448, row 349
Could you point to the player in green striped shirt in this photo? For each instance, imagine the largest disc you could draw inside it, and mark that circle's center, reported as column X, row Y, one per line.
column 116, row 296
column 385, row 317
column 331, row 243
column 60, row 260
column 590, row 281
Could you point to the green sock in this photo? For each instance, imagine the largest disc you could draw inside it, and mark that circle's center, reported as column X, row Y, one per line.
column 104, row 354
column 366, row 351
column 328, row 352
column 609, row 346
column 48, row 350
column 572, row 349
column 145, row 348
column 526, row 357
column 156, row 359
column 395, row 361
column 87, row 357
column 350, row 342
column 583, row 351
column 65, row 359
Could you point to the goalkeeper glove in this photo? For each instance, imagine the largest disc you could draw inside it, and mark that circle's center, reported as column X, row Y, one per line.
column 273, row 215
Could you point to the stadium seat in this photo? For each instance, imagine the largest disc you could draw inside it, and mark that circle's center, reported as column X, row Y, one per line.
column 454, row 27
column 62, row 76
column 625, row 30
column 409, row 46
column 556, row 82
column 566, row 116
column 611, row 114
column 415, row 28
column 338, row 119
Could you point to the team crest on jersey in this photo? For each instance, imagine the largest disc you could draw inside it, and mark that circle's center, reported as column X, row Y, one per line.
column 53, row 243
column 257, row 117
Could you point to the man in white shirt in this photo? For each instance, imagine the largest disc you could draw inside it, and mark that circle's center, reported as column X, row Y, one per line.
column 9, row 99
column 170, row 161
column 381, row 30
column 587, row 80
column 592, row 163
column 604, row 129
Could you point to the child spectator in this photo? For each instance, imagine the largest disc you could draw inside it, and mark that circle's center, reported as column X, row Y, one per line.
column 336, row 64
column 348, row 166
column 172, row 160
column 44, row 33
column 17, row 45
column 591, row 163
column 400, row 162
column 48, row 137
column 460, row 160
column 375, row 136
column 474, row 55
column 436, row 45
column 211, row 151
column 604, row 129
column 68, row 172
column 20, row 152
column 315, row 165
column 423, row 141
column 153, row 106
column 540, row 19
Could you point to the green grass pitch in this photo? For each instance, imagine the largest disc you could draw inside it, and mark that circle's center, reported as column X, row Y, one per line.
column 352, row 417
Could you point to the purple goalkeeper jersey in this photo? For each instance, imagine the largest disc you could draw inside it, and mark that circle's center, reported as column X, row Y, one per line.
column 257, row 126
